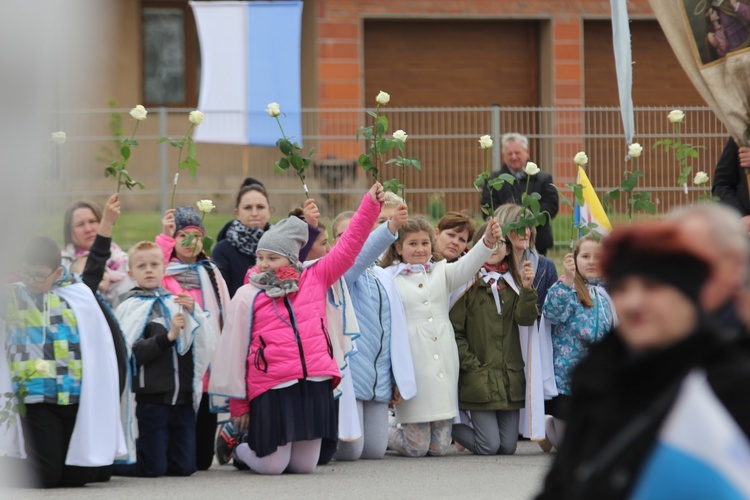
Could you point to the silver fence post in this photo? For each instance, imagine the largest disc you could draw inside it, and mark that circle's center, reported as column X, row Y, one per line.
column 495, row 110
column 163, row 157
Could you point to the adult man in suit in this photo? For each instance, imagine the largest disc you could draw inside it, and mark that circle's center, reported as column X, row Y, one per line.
column 515, row 152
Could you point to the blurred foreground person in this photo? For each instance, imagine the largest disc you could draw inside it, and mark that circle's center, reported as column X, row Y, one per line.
column 624, row 389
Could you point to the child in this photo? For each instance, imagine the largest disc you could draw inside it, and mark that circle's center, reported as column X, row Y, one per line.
column 56, row 347
column 371, row 368
column 492, row 384
column 581, row 314
column 190, row 271
column 423, row 287
column 284, row 382
column 169, row 338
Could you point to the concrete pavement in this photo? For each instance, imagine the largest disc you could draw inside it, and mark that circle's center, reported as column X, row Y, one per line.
column 460, row 475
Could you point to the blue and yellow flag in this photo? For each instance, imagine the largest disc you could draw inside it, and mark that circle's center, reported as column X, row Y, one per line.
column 592, row 209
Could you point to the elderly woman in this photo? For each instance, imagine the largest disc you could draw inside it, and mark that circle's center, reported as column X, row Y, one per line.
column 623, row 391
column 80, row 227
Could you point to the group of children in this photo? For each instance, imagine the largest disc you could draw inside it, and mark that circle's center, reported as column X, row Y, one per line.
column 307, row 345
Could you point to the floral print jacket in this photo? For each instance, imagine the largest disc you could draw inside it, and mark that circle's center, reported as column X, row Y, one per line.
column 574, row 327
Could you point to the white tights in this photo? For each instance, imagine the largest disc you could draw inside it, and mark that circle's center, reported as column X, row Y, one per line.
column 555, row 429
column 299, row 457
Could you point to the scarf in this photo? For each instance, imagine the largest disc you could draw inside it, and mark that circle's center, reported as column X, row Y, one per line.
column 277, row 282
column 244, row 239
column 492, row 275
column 187, row 274
column 403, row 268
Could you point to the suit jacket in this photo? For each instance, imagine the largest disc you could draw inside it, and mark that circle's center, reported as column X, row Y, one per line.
column 730, row 181
column 540, row 183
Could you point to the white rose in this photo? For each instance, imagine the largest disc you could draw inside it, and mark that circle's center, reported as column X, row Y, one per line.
column 139, row 113
column 531, row 168
column 383, row 98
column 485, row 142
column 205, row 206
column 676, row 116
column 701, row 178
column 195, row 117
column 41, row 367
column 59, row 137
column 400, row 135
column 273, row 109
column 581, row 158
column 635, row 150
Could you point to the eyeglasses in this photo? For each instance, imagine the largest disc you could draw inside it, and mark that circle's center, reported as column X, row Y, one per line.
column 36, row 278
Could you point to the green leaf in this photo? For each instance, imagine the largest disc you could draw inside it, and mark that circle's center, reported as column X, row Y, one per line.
column 367, row 133
column 541, row 218
column 163, row 139
column 208, row 243
column 536, row 196
column 365, row 161
column 393, row 160
column 133, row 143
column 385, row 145
column 285, row 146
column 191, row 151
column 296, row 161
column 507, row 178
column 534, row 206
column 277, row 168
column 417, row 164
column 297, row 145
column 283, row 163
column 110, row 172
column 382, row 125
column 22, row 409
column 125, row 152
column 312, row 151
column 631, row 181
column 613, row 194
column 399, row 144
column 373, row 114
column 176, row 144
column 486, row 208
column 684, row 174
column 187, row 241
column 496, row 184
column 391, row 185
column 481, row 179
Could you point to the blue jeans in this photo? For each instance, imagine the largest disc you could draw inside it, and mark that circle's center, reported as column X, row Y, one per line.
column 166, row 442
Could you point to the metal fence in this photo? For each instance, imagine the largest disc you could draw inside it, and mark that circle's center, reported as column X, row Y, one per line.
column 445, row 139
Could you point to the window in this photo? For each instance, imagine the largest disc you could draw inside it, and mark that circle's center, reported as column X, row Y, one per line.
column 171, row 56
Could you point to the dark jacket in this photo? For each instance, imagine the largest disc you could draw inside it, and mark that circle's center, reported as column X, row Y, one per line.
column 162, row 376
column 545, row 277
column 540, row 183
column 730, row 181
column 491, row 375
column 93, row 272
column 611, row 388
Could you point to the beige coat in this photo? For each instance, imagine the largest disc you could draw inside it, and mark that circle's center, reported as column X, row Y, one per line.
column 431, row 337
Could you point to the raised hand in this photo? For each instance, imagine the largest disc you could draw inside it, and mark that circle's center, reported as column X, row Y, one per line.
column 311, row 212
column 569, row 265
column 400, row 216
column 110, row 216
column 168, row 225
column 527, row 275
column 377, row 193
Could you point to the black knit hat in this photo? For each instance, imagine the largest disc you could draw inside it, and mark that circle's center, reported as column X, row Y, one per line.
column 185, row 217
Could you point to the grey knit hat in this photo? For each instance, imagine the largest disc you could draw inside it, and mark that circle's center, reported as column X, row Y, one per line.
column 286, row 238
column 185, row 217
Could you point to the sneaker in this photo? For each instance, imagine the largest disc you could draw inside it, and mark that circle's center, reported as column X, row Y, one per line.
column 225, row 443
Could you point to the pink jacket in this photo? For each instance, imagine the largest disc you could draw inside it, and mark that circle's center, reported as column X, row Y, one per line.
column 289, row 335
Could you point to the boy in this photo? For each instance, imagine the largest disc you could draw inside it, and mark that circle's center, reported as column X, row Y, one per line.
column 170, row 342
column 55, row 348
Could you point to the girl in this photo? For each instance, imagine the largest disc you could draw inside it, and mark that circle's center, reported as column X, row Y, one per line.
column 524, row 249
column 283, row 384
column 492, row 384
column 80, row 227
column 423, row 287
column 190, row 272
column 452, row 236
column 372, row 369
column 580, row 312
column 235, row 253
